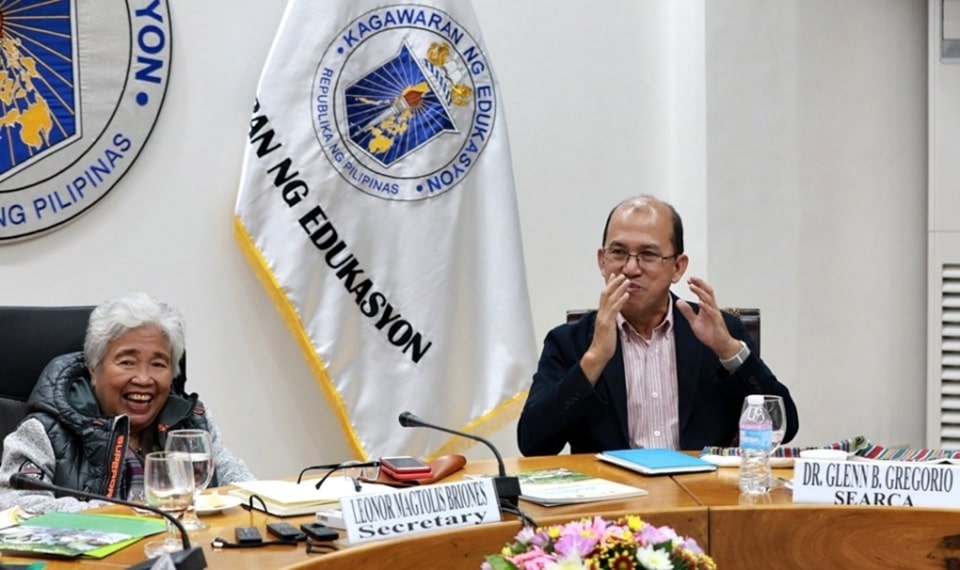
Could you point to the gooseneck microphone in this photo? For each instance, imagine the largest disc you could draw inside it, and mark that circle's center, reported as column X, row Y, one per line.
column 190, row 558
column 507, row 486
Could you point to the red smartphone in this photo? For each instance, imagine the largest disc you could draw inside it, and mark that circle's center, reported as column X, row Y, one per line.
column 405, row 467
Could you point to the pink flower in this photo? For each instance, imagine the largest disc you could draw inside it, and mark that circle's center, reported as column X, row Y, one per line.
column 690, row 544
column 650, row 534
column 580, row 538
column 526, row 534
column 625, row 544
column 541, row 538
column 534, row 559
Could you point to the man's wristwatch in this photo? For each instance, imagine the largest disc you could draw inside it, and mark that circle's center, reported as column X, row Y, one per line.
column 736, row 360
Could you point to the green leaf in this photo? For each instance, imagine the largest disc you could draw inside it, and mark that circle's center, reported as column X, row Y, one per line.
column 498, row 562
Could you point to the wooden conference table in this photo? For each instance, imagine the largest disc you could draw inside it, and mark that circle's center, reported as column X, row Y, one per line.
column 769, row 532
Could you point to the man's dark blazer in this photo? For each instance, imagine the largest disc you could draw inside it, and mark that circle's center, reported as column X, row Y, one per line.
column 562, row 407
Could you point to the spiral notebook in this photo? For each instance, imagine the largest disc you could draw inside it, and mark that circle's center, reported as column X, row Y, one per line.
column 655, row 461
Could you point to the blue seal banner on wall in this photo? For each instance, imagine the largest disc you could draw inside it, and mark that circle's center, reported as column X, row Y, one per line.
column 81, row 86
column 380, row 122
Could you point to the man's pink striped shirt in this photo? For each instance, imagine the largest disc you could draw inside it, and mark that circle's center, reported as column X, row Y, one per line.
column 650, row 369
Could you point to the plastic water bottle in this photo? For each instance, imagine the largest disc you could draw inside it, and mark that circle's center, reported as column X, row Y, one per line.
column 756, row 432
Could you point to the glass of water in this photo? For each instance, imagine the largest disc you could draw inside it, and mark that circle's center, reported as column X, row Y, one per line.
column 778, row 422
column 168, row 486
column 778, row 419
column 195, row 443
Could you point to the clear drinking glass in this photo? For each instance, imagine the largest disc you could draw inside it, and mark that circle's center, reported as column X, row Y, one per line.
column 778, row 422
column 778, row 418
column 168, row 485
column 196, row 444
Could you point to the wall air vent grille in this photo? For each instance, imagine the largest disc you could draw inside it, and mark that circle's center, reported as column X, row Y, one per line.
column 950, row 357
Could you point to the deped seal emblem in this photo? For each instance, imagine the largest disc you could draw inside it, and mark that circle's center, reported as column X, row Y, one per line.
column 81, row 86
column 403, row 102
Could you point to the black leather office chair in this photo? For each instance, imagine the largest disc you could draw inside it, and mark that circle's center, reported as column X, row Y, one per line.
column 30, row 337
column 749, row 316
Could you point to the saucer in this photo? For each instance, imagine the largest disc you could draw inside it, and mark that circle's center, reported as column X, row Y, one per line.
column 210, row 504
column 734, row 461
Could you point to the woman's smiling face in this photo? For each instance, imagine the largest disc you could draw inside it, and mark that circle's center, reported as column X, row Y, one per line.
column 134, row 376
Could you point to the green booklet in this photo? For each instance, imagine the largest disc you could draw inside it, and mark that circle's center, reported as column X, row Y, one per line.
column 560, row 486
column 77, row 534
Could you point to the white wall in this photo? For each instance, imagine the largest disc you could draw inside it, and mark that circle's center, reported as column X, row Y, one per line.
column 943, row 246
column 789, row 134
column 817, row 174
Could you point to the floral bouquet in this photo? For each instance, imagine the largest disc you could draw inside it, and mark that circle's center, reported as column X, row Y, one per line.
column 597, row 544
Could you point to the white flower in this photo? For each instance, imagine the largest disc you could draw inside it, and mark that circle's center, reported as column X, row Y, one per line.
column 572, row 562
column 653, row 559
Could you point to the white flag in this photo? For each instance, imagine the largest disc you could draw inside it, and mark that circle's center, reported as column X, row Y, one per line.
column 377, row 205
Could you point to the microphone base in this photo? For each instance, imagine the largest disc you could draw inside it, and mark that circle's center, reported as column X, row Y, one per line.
column 189, row 559
column 508, row 489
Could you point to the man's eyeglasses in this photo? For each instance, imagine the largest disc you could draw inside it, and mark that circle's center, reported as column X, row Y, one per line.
column 353, row 470
column 647, row 258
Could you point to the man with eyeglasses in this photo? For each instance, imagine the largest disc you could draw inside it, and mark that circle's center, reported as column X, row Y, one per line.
column 647, row 369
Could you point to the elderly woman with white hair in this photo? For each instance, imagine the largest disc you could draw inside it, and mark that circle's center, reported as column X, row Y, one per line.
column 94, row 415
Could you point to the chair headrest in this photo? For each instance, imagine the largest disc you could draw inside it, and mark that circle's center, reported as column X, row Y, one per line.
column 31, row 337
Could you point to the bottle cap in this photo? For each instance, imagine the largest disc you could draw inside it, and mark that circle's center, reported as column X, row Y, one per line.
column 755, row 399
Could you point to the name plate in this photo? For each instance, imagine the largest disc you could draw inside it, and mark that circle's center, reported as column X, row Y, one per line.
column 381, row 515
column 884, row 483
